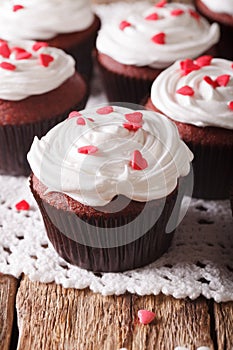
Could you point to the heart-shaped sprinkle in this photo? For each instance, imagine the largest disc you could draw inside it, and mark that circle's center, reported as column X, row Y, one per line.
column 124, row 24
column 161, row 3
column 152, row 17
column 23, row 55
column 22, row 205
column 187, row 66
column 177, row 12
column 45, row 60
column 17, row 49
column 91, row 120
column 132, row 127
column 159, row 38
column 7, row 66
column 210, row 81
column 145, row 316
column 81, row 121
column 4, row 50
column 186, row 91
column 194, row 14
column 17, row 8
column 88, row 149
column 135, row 117
column 223, row 80
column 38, row 45
column 137, row 161
column 74, row 114
column 105, row 110
column 204, row 60
column 230, row 105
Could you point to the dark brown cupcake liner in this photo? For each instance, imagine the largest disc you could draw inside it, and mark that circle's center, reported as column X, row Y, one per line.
column 16, row 140
column 93, row 243
column 213, row 170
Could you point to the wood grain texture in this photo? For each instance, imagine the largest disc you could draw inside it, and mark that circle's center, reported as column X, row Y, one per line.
column 8, row 289
column 51, row 317
column 224, row 325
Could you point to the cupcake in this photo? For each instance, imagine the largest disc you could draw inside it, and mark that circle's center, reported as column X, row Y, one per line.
column 222, row 13
column 38, row 87
column 106, row 183
column 136, row 45
column 198, row 97
column 68, row 25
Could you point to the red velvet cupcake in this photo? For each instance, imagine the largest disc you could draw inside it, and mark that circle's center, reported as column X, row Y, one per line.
column 38, row 87
column 106, row 182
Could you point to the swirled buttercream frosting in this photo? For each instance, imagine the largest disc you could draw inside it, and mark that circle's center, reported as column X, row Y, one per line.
column 97, row 154
column 196, row 92
column 156, row 36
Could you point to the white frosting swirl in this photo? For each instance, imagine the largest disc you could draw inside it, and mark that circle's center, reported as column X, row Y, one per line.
column 43, row 19
column 208, row 106
column 185, row 36
column 95, row 179
column 30, row 77
column 223, row 6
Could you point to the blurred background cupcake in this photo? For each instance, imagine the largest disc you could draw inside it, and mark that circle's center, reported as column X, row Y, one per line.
column 140, row 40
column 106, row 182
column 221, row 12
column 38, row 87
column 198, row 97
column 69, row 25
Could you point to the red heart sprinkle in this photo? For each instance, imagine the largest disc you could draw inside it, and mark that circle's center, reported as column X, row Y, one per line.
column 137, row 161
column 210, row 81
column 45, row 60
column 81, row 121
column 223, row 80
column 132, row 127
column 22, row 205
column 105, row 110
column 74, row 114
column 87, row 149
column 17, row 7
column 124, row 24
column 91, row 120
column 135, row 117
column 7, row 66
column 177, row 12
column 187, row 66
column 159, row 38
column 23, row 55
column 17, row 49
column 194, row 14
column 5, row 50
column 152, row 17
column 38, row 45
column 232, row 65
column 204, row 60
column 161, row 3
column 145, row 316
column 186, row 91
column 230, row 105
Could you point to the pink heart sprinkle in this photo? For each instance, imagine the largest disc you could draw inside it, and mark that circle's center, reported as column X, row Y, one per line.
column 152, row 17
column 194, row 14
column 81, row 121
column 22, row 205
column 132, row 127
column 223, row 80
column 137, row 161
column 210, row 81
column 17, row 7
column 230, row 105
column 74, row 114
column 45, row 60
column 186, row 91
column 145, row 316
column 159, row 38
column 161, row 3
column 105, row 110
column 177, row 12
column 38, row 45
column 7, row 66
column 23, row 55
column 187, row 66
column 124, row 24
column 88, row 149
column 203, row 60
column 135, row 117
column 5, row 50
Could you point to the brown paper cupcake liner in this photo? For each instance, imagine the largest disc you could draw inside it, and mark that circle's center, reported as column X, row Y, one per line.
column 83, row 242
column 16, row 140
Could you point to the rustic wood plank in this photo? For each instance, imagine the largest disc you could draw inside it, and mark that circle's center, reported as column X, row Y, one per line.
column 8, row 290
column 51, row 317
column 224, row 325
